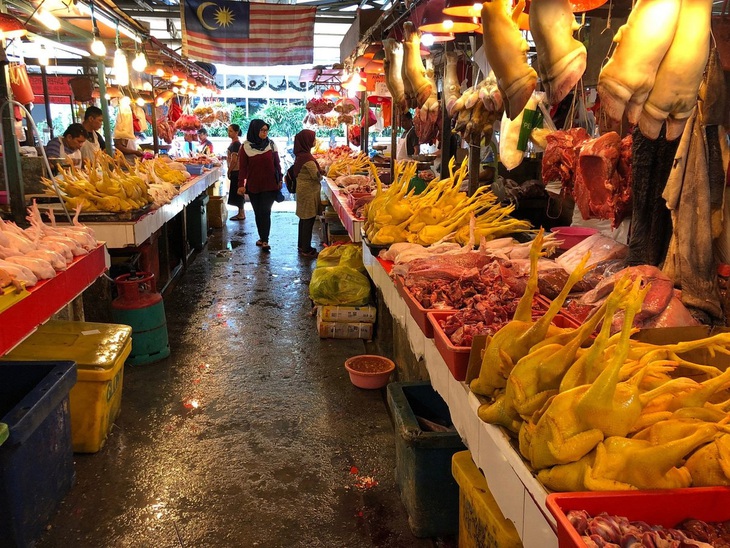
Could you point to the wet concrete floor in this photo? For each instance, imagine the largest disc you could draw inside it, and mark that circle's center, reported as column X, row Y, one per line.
column 250, row 434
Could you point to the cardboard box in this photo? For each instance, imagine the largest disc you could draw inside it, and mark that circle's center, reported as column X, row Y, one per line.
column 217, row 211
column 344, row 330
column 346, row 314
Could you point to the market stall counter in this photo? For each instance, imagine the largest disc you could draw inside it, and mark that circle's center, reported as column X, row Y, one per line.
column 39, row 303
column 119, row 234
column 352, row 223
column 520, row 496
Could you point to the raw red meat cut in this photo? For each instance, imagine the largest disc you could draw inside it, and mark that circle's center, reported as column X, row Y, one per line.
column 561, row 153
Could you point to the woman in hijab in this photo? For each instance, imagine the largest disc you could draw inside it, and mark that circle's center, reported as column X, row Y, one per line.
column 259, row 176
column 308, row 175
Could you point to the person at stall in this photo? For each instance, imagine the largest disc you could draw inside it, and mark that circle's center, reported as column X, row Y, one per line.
column 234, row 199
column 68, row 147
column 408, row 144
column 308, row 175
column 93, row 120
column 204, row 145
column 259, row 176
column 129, row 148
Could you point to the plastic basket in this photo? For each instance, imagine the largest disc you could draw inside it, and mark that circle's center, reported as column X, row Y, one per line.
column 666, row 507
column 456, row 357
column 418, row 312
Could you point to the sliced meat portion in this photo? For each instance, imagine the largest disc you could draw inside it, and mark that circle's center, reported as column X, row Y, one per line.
column 560, row 156
column 601, row 248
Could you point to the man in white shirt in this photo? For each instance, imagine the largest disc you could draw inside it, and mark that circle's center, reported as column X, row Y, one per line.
column 93, row 120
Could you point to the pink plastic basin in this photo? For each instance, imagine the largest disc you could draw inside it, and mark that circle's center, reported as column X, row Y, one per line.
column 369, row 371
column 572, row 235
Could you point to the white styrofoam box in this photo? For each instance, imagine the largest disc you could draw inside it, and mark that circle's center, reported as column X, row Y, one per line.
column 537, row 531
column 416, row 338
column 437, row 370
column 458, row 404
column 368, row 260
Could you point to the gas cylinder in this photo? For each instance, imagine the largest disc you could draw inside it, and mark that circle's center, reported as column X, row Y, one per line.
column 140, row 306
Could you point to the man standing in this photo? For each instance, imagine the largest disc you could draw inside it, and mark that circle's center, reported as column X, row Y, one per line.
column 408, row 145
column 93, row 120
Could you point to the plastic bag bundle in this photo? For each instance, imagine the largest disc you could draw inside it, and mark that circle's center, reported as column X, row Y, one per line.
column 342, row 255
column 339, row 285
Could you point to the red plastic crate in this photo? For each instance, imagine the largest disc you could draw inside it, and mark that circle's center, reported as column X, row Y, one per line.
column 418, row 313
column 666, row 507
column 456, row 357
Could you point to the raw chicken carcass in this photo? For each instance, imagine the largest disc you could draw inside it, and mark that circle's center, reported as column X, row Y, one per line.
column 41, row 268
column 7, row 279
column 57, row 261
column 20, row 273
column 75, row 248
column 59, row 247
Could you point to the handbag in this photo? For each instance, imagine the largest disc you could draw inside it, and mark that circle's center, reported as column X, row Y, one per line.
column 279, row 197
column 290, row 180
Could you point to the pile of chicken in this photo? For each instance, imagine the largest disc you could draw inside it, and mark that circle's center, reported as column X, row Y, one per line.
column 40, row 251
column 400, row 215
column 610, row 412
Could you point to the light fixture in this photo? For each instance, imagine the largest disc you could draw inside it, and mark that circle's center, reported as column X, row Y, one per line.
column 164, row 97
column 147, row 86
column 139, row 63
column 331, row 94
column 578, row 6
column 121, row 69
column 175, row 89
column 140, row 102
column 43, row 57
column 53, row 45
column 428, row 39
column 11, row 27
column 97, row 46
column 462, row 8
column 374, row 67
column 434, row 20
column 49, row 20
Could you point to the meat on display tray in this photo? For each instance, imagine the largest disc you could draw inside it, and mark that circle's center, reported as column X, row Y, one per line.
column 418, row 312
column 665, row 507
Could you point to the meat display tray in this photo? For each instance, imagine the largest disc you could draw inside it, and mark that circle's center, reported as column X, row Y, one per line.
column 666, row 507
column 418, row 313
column 456, row 357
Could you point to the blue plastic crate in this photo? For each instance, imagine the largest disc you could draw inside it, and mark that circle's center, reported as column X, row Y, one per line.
column 36, row 460
column 194, row 169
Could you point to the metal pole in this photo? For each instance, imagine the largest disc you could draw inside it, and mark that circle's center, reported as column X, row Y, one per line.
column 155, row 143
column 100, row 68
column 393, row 139
column 47, row 100
column 363, row 122
column 11, row 151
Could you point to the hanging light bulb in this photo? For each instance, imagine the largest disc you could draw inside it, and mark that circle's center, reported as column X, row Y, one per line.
column 147, row 86
column 48, row 20
column 97, row 46
column 140, row 62
column 140, row 102
column 43, row 57
column 175, row 89
column 121, row 69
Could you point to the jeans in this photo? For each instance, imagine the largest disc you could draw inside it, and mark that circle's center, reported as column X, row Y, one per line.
column 261, row 202
column 304, row 241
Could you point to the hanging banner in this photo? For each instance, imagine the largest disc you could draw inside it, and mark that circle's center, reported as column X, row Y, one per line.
column 246, row 33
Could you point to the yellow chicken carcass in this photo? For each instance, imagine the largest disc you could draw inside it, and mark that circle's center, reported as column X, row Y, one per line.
column 536, row 377
column 709, row 466
column 620, row 464
column 575, row 421
column 514, row 340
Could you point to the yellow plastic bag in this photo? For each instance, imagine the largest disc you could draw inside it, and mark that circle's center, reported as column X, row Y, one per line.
column 339, row 285
column 342, row 255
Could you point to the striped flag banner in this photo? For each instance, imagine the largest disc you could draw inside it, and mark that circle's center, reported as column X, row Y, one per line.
column 247, row 33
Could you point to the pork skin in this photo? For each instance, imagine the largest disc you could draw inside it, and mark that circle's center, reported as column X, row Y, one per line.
column 626, row 80
column 506, row 52
column 392, row 66
column 561, row 59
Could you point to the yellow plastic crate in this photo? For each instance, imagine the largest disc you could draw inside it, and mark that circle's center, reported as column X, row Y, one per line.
column 99, row 350
column 481, row 522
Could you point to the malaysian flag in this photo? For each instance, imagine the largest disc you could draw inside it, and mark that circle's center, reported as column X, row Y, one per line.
column 247, row 33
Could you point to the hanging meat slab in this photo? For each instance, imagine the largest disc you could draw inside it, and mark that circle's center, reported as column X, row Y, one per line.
column 602, row 179
column 561, row 153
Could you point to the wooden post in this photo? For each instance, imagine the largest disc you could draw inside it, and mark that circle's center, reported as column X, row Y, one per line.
column 393, row 140
column 104, row 106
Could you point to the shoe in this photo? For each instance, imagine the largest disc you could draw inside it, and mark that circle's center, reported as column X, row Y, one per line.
column 265, row 246
column 310, row 254
column 238, row 218
column 259, row 243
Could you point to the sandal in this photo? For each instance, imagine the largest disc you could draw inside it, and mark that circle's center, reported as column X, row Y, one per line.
column 238, row 218
column 259, row 243
column 265, row 246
